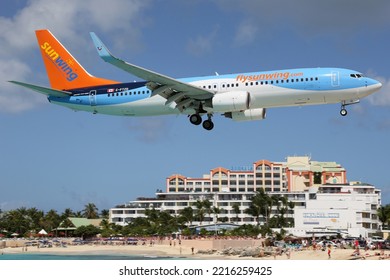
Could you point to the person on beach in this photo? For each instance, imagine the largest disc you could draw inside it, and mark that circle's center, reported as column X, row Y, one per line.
column 288, row 253
column 329, row 251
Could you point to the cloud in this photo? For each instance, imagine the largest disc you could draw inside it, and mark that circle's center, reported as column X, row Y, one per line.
column 382, row 97
column 202, row 44
column 246, row 33
column 120, row 19
column 307, row 17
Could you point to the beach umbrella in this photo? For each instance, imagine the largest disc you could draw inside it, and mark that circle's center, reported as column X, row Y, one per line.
column 15, row 234
column 42, row 232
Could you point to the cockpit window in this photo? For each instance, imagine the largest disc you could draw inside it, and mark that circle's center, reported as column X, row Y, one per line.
column 356, row 75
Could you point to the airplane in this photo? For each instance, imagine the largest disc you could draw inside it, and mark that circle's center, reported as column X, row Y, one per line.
column 240, row 97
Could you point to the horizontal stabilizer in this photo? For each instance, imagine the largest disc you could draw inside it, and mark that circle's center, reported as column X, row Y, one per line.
column 44, row 90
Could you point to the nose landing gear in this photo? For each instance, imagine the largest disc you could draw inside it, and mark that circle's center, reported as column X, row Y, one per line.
column 344, row 103
column 343, row 111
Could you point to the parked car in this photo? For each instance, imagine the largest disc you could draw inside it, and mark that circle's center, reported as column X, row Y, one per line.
column 325, row 243
column 377, row 239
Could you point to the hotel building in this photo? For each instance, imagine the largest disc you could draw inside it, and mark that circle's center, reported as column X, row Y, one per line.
column 323, row 200
column 296, row 174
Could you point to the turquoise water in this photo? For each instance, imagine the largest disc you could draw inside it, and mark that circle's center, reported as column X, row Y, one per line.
column 32, row 256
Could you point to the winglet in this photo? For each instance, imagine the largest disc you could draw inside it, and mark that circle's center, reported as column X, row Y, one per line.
column 102, row 50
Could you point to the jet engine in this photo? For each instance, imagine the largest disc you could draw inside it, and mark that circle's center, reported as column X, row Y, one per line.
column 247, row 115
column 231, row 101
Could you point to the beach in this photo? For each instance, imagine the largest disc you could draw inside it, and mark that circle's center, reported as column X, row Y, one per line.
column 200, row 249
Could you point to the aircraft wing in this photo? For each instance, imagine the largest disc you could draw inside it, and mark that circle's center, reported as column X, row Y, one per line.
column 44, row 90
column 185, row 95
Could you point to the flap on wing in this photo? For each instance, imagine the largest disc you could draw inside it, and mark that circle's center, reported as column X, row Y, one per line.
column 44, row 90
column 165, row 86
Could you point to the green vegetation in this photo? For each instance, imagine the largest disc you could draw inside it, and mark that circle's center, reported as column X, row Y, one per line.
column 27, row 222
column 384, row 216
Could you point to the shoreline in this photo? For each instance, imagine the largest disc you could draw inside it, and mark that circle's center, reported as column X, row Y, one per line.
column 184, row 251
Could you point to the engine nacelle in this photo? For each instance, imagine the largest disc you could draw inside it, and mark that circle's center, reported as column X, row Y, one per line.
column 231, row 101
column 247, row 115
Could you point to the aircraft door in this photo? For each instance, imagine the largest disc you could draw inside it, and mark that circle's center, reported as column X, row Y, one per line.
column 335, row 79
column 92, row 97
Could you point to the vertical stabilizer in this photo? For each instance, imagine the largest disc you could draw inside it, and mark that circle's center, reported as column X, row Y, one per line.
column 63, row 70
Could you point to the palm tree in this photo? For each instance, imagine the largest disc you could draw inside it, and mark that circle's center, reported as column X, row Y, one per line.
column 90, row 211
column 207, row 206
column 255, row 210
column 200, row 210
column 51, row 220
column 291, row 205
column 67, row 213
column 261, row 205
column 105, row 213
column 187, row 214
column 384, row 215
column 78, row 214
column 216, row 212
column 236, row 210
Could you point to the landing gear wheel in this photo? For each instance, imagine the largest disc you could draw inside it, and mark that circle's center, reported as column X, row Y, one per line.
column 196, row 119
column 208, row 125
column 343, row 112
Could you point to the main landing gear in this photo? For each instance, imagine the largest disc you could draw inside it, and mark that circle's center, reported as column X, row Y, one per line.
column 196, row 119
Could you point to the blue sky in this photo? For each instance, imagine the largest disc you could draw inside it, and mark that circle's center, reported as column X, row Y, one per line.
column 54, row 158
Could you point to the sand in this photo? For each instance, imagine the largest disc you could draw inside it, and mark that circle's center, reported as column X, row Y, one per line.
column 185, row 251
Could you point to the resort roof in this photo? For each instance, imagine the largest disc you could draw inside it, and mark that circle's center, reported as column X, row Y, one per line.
column 78, row 222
